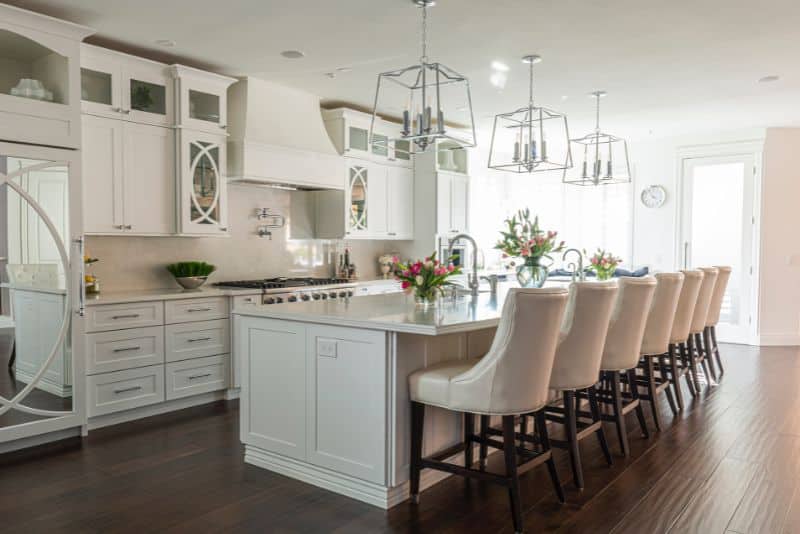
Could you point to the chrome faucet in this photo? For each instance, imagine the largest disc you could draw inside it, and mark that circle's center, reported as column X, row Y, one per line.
column 493, row 280
column 579, row 272
column 472, row 279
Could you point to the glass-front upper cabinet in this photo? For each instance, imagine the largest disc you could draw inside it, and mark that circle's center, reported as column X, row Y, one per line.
column 202, row 99
column 357, row 216
column 39, row 79
column 117, row 85
column 203, row 191
column 350, row 132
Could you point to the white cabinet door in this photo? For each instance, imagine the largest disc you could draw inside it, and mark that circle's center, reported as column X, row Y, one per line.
column 102, row 175
column 459, row 196
column 149, row 179
column 444, row 186
column 346, row 401
column 400, row 203
column 147, row 92
column 377, row 195
column 203, row 188
column 359, row 212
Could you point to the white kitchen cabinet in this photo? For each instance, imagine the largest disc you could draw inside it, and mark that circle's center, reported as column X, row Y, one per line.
column 202, row 99
column 379, row 201
column 202, row 184
column 400, row 203
column 128, row 173
column 349, row 130
column 46, row 50
column 120, row 86
column 451, row 203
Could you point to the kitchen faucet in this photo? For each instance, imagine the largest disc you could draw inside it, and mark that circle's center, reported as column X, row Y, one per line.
column 472, row 279
column 579, row 271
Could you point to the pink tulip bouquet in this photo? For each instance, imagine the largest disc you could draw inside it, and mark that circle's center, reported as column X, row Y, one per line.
column 522, row 238
column 426, row 278
column 604, row 264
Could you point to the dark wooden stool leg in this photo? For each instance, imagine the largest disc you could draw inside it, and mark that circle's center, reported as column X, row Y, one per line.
column 544, row 440
column 693, row 364
column 594, row 408
column 665, row 378
column 510, row 453
column 634, row 391
column 701, row 353
column 484, row 449
column 709, row 349
column 417, row 428
column 619, row 417
column 675, row 377
column 469, row 431
column 571, row 426
column 713, row 332
column 652, row 391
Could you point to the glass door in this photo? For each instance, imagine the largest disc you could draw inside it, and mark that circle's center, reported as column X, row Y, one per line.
column 717, row 228
column 41, row 384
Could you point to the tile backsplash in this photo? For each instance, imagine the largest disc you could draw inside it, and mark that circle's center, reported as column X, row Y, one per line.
column 130, row 263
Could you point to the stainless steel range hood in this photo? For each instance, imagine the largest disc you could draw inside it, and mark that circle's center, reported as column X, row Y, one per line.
column 277, row 138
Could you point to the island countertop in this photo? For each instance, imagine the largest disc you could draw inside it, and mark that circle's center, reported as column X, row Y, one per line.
column 395, row 312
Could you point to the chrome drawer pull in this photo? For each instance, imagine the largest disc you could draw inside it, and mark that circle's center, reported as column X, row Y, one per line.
column 129, row 316
column 191, row 310
column 195, row 377
column 126, row 349
column 198, row 339
column 125, row 390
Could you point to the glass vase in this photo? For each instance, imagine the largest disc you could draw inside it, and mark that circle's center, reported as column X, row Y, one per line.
column 426, row 299
column 532, row 273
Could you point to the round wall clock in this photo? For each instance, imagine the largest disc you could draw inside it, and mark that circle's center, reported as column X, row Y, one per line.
column 654, row 196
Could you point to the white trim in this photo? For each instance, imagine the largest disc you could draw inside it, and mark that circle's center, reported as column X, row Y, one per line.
column 779, row 340
column 155, row 409
column 59, row 390
column 40, row 439
column 355, row 488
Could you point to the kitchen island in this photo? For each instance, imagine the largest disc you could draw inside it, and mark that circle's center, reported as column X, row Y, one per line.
column 324, row 386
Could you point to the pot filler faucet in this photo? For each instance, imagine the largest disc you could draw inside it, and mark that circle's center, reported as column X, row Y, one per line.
column 472, row 279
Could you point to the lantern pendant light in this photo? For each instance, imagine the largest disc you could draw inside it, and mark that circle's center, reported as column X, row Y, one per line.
column 604, row 156
column 532, row 138
column 433, row 100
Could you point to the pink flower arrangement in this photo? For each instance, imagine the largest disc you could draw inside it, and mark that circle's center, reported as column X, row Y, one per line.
column 523, row 238
column 427, row 277
column 604, row 264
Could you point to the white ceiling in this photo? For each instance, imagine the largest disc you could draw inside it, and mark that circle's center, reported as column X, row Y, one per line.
column 669, row 67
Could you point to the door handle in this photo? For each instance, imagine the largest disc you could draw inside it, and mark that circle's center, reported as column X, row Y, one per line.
column 127, row 349
column 685, row 254
column 81, row 311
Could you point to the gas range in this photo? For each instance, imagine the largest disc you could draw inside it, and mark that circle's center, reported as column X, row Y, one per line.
column 279, row 290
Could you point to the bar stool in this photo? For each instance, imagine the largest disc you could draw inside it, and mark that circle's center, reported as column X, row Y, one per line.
column 695, row 340
column 679, row 338
column 510, row 380
column 621, row 353
column 656, row 343
column 714, row 309
column 577, row 367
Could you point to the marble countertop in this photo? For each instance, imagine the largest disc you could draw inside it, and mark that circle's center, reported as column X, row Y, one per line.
column 395, row 312
column 35, row 289
column 146, row 295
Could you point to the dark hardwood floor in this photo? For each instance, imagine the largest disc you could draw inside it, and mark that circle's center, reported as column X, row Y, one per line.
column 729, row 464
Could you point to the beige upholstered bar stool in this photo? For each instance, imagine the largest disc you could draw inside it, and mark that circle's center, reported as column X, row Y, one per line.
column 510, row 380
column 577, row 367
column 692, row 280
column 698, row 325
column 714, row 309
column 656, row 342
column 621, row 353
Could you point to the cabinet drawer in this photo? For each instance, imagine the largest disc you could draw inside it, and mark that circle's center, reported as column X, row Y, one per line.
column 117, row 316
column 246, row 300
column 124, row 349
column 188, row 310
column 197, row 376
column 123, row 390
column 196, row 340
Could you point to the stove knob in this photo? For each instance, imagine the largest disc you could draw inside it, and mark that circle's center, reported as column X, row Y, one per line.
column 350, row 293
column 323, row 296
column 269, row 300
column 293, row 298
column 305, row 296
column 332, row 294
column 278, row 300
column 316, row 296
column 343, row 294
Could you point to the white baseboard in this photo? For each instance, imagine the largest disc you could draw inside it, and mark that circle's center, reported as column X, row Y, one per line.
column 58, row 390
column 154, row 409
column 232, row 393
column 355, row 488
column 779, row 340
column 41, row 439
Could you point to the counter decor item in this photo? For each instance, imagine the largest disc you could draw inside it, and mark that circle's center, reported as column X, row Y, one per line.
column 522, row 238
column 387, row 261
column 91, row 282
column 604, row 264
column 191, row 274
column 426, row 278
column 30, row 88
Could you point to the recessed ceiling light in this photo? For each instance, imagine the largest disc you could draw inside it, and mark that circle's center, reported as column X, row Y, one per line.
column 769, row 79
column 293, row 54
column 166, row 42
column 498, row 79
column 564, row 97
column 499, row 66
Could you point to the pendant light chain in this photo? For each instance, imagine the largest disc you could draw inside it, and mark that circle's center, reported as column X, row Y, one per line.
column 597, row 114
column 424, row 58
column 530, row 86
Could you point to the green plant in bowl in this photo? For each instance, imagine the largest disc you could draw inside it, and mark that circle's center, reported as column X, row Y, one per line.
column 191, row 274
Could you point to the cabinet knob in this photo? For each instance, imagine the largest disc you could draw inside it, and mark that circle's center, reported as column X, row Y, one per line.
column 119, row 226
column 223, row 228
column 126, row 111
column 223, row 126
column 128, row 227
